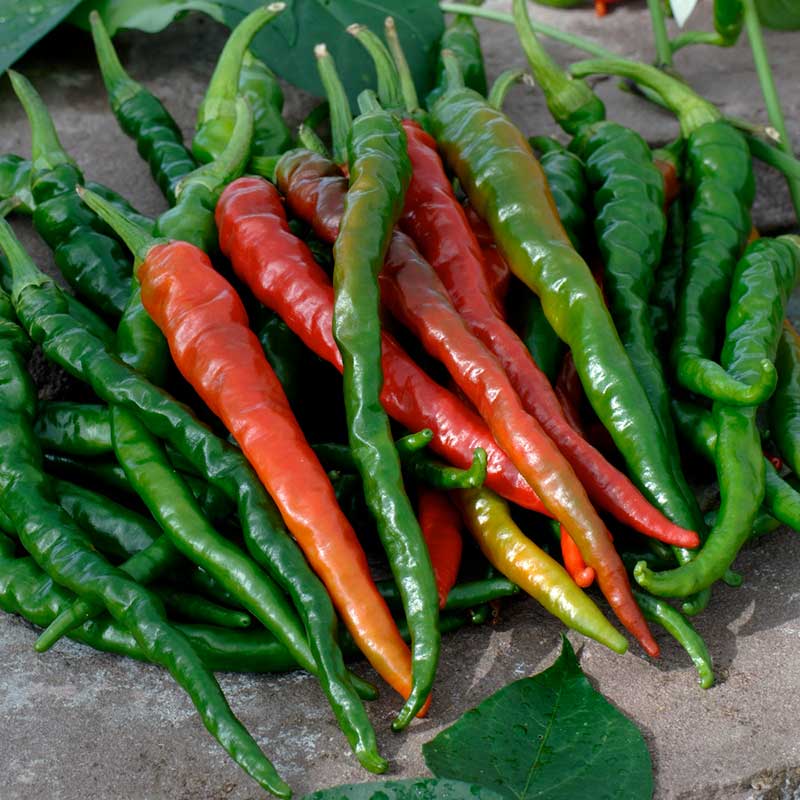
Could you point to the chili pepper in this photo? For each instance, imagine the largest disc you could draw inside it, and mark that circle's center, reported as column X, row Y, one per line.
column 569, row 392
column 379, row 174
column 283, row 350
column 521, row 561
column 142, row 116
column 659, row 611
column 90, row 261
column 762, row 282
column 573, row 561
column 669, row 162
column 462, row 39
column 440, row 524
column 63, row 551
column 728, row 23
column 462, row 596
column 41, row 308
column 121, row 204
column 78, row 429
column 249, row 213
column 719, row 181
column 505, row 184
column 200, row 315
column 15, row 181
column 217, row 113
column 664, row 297
column 414, row 294
column 194, row 608
column 784, row 405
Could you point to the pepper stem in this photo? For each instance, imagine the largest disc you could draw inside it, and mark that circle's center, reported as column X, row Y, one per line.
column 788, row 165
column 220, row 98
column 23, row 271
column 137, row 239
column 452, row 70
column 119, row 85
column 505, row 80
column 47, row 151
column 231, row 162
column 571, row 102
column 309, row 139
column 368, row 102
column 663, row 49
column 389, row 91
column 409, row 91
column 339, row 105
column 691, row 109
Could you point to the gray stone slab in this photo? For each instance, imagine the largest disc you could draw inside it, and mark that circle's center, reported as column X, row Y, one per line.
column 77, row 724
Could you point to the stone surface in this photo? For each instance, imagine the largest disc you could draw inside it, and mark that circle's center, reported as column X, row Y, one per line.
column 78, row 724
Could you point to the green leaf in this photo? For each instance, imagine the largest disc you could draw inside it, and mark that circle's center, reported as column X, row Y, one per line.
column 411, row 789
column 782, row 15
column 150, row 16
column 551, row 736
column 287, row 43
column 22, row 24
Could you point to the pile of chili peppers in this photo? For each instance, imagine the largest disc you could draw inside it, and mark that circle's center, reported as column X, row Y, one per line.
column 526, row 349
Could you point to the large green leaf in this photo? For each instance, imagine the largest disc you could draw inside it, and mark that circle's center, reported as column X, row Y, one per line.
column 22, row 24
column 150, row 16
column 411, row 789
column 551, row 737
column 783, row 15
column 287, row 43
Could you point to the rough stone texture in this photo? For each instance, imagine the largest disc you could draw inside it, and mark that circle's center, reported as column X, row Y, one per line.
column 80, row 724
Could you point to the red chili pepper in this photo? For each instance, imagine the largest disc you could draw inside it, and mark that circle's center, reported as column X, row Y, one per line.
column 672, row 181
column 415, row 295
column 439, row 226
column 495, row 269
column 284, row 277
column 441, row 527
column 569, row 392
column 573, row 561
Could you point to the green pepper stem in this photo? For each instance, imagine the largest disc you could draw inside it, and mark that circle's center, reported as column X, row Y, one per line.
column 414, row 442
column 311, row 141
column 341, row 118
column 505, row 80
column 770, row 155
column 265, row 166
column 389, row 91
column 770, row 91
column 691, row 109
column 452, row 69
column 231, row 161
column 660, row 35
column 571, row 102
column 23, row 271
column 119, row 85
column 47, row 151
column 224, row 84
column 137, row 239
column 368, row 102
column 697, row 37
column 407, row 88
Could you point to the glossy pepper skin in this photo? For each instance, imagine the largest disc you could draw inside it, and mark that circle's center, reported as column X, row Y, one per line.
column 666, row 284
column 762, row 283
column 143, row 117
column 437, row 223
column 78, row 429
column 63, row 551
column 91, row 261
column 521, row 561
column 784, row 405
column 461, row 37
column 42, row 309
column 414, row 294
column 507, row 187
column 379, row 174
column 441, row 527
column 15, row 181
column 217, row 113
column 287, row 279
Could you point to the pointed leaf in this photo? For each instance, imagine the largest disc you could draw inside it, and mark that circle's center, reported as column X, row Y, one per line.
column 551, row 737
column 682, row 10
column 411, row 789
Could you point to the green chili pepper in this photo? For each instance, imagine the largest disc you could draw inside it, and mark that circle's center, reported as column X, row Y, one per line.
column 658, row 610
column 42, row 310
column 462, row 596
column 762, row 282
column 284, row 351
column 15, row 181
column 462, row 39
column 728, row 23
column 63, row 551
column 142, row 116
column 77, row 429
column 217, row 113
column 91, row 261
column 664, row 297
column 194, row 608
column 379, row 175
column 784, row 405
